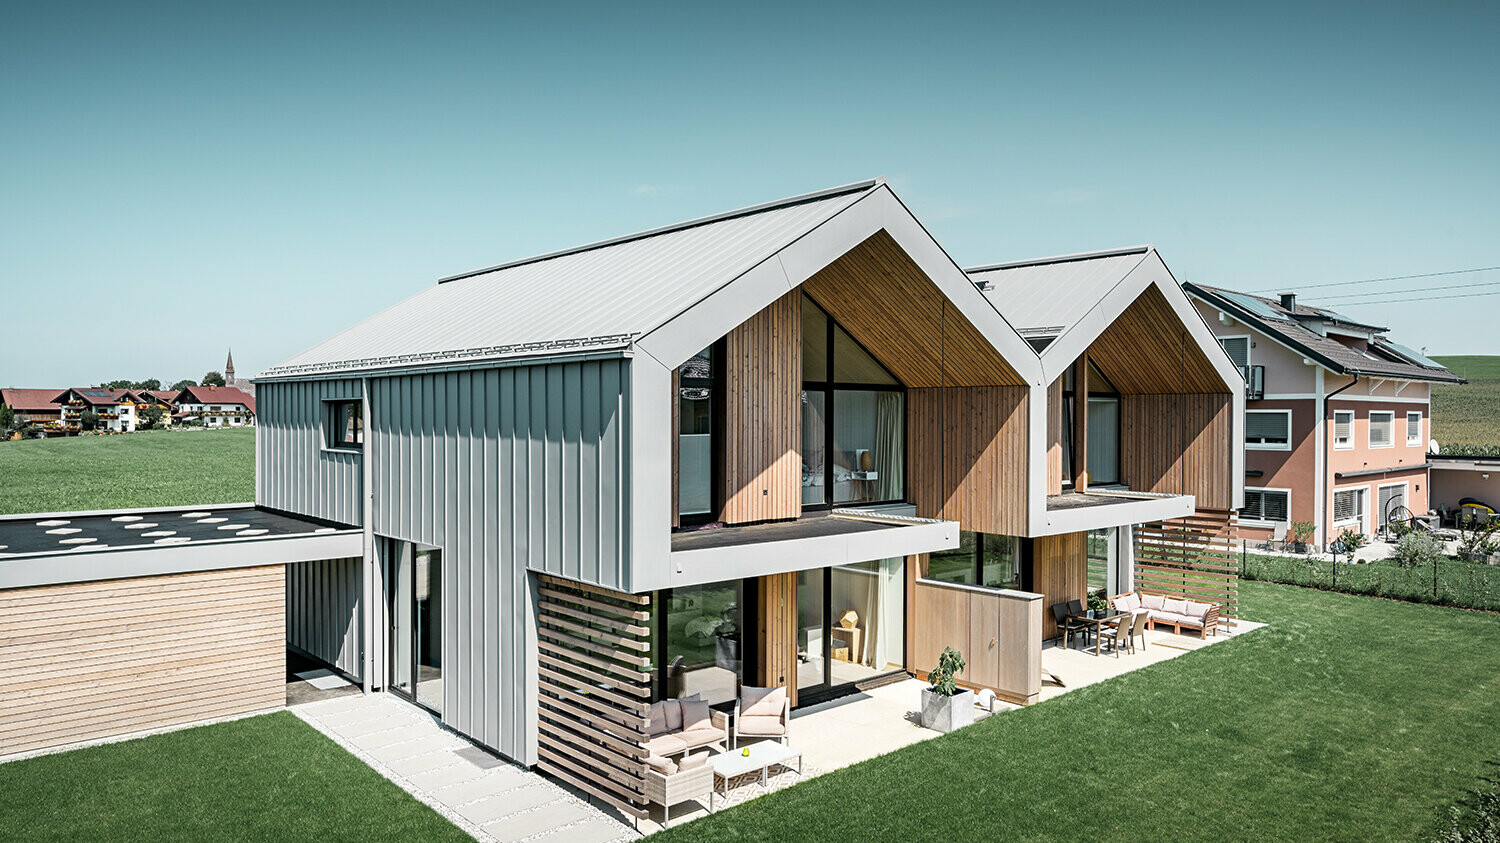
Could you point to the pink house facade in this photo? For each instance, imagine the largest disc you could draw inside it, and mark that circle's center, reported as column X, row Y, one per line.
column 1337, row 416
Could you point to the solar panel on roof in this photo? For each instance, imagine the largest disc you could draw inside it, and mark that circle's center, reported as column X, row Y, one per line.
column 1254, row 305
column 1414, row 356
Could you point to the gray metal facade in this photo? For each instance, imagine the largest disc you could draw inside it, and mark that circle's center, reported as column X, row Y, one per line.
column 322, row 612
column 294, row 470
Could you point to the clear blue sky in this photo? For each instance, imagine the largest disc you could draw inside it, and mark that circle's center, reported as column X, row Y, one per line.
column 179, row 179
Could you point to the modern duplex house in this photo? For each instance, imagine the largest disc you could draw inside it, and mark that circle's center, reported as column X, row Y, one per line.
column 789, row 445
column 1336, row 427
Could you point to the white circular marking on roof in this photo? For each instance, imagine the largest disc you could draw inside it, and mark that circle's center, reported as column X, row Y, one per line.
column 174, row 540
column 63, row 531
column 126, row 518
column 155, row 533
column 76, row 541
column 52, row 523
column 196, row 514
column 233, row 526
column 324, row 530
column 144, row 525
column 212, row 520
column 91, row 547
column 249, row 532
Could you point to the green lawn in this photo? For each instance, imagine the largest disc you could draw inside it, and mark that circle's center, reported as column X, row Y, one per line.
column 1350, row 718
column 150, row 468
column 1465, row 414
column 271, row 778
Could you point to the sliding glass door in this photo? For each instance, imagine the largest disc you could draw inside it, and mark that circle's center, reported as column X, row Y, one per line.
column 851, row 626
column 414, row 593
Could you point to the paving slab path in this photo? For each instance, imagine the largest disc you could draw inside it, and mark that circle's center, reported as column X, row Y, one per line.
column 486, row 796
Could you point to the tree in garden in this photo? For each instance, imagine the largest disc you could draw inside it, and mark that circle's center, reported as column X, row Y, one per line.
column 7, row 418
column 149, row 417
column 89, row 420
column 149, row 383
column 183, row 384
column 213, row 379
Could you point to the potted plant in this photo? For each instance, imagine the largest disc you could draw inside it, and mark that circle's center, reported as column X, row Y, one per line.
column 1480, row 541
column 945, row 706
column 1098, row 606
column 1298, row 535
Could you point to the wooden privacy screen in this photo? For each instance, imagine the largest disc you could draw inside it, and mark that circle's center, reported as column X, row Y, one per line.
column 594, row 689
column 94, row 659
column 1192, row 557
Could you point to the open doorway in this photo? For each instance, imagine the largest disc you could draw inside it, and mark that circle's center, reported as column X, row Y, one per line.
column 414, row 594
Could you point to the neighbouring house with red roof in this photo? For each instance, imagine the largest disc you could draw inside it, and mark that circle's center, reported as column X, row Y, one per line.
column 116, row 408
column 33, row 406
column 218, row 406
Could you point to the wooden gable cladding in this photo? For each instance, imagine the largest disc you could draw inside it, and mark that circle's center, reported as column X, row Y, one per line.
column 885, row 301
column 1147, row 350
column 1059, row 572
column 968, row 456
column 1178, row 444
column 763, row 415
column 1055, row 437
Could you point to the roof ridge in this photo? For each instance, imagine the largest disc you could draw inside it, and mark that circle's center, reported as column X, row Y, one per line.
column 827, row 193
column 1077, row 256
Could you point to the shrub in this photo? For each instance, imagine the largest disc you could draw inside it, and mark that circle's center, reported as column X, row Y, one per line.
column 7, row 417
column 1417, row 549
column 1352, row 540
column 1479, row 824
column 1480, row 537
column 88, row 420
column 32, row 433
column 149, row 418
column 1300, row 531
column 950, row 664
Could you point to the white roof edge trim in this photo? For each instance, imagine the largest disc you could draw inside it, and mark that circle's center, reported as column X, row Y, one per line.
column 370, row 365
column 853, row 187
column 1067, row 336
column 1080, row 256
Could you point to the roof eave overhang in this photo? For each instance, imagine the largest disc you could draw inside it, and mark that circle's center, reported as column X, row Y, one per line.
column 1132, row 509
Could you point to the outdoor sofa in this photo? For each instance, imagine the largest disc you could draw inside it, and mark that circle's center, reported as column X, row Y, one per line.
column 1165, row 610
column 678, row 725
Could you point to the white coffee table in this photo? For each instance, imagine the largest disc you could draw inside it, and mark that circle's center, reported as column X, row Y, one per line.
column 764, row 754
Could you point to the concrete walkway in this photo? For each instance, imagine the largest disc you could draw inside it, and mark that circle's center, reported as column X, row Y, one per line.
column 487, row 797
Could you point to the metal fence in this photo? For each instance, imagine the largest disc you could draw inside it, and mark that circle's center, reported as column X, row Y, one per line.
column 1446, row 582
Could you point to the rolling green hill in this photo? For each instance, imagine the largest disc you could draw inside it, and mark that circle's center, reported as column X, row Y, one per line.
column 1468, row 414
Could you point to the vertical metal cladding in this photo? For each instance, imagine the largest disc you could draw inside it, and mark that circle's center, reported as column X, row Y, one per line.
column 322, row 611
column 294, row 470
column 508, row 470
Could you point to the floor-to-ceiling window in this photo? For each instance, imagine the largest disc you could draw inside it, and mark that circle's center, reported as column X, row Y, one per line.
column 414, row 593
column 986, row 559
column 700, row 633
column 1104, row 430
column 853, row 419
column 698, row 412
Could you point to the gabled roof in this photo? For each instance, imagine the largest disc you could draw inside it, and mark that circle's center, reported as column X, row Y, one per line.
column 215, row 395
column 594, row 297
column 30, row 400
column 93, row 396
column 1043, row 298
column 1384, row 358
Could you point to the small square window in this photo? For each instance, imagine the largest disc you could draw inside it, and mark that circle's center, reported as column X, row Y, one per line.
column 1381, row 424
column 346, row 425
column 1414, row 428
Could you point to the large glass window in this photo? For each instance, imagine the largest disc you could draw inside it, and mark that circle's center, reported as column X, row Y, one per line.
column 867, row 627
column 1104, row 429
column 415, row 601
column 702, row 626
column 853, row 419
column 695, row 405
column 980, row 559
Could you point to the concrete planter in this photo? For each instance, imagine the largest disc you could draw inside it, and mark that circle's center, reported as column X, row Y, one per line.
column 944, row 714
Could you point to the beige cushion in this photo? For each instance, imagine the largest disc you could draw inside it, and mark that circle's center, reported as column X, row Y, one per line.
column 666, row 745
column 694, row 761
column 1175, row 607
column 1128, row 603
column 695, row 715
column 660, row 764
column 760, row 724
column 1197, row 610
column 699, row 737
column 762, row 701
column 1172, row 617
column 1152, row 601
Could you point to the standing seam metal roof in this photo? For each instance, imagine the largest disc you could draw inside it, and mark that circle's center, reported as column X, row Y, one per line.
column 601, row 295
column 1050, row 294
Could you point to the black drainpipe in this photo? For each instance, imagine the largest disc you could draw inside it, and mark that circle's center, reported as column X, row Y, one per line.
column 1322, row 469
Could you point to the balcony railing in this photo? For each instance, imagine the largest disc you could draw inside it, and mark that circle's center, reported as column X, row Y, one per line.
column 1255, row 381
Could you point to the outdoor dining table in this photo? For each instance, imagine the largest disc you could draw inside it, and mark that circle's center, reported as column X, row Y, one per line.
column 1097, row 624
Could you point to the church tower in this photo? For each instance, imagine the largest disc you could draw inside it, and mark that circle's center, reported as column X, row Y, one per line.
column 229, row 369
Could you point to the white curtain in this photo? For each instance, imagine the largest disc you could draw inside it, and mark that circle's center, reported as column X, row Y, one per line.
column 889, row 646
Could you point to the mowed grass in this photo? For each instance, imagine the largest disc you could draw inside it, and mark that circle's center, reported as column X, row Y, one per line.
column 149, row 468
column 1467, row 414
column 1349, row 718
column 271, row 778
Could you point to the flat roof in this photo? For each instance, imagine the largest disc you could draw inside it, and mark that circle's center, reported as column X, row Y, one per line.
column 24, row 535
column 811, row 527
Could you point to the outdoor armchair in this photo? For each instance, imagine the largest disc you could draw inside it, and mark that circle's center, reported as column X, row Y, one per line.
column 762, row 713
column 668, row 782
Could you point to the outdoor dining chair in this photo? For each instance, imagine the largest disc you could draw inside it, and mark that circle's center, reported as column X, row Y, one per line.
column 1065, row 626
column 1138, row 629
column 1117, row 635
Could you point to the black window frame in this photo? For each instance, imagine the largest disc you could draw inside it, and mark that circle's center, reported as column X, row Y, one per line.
column 715, row 384
column 336, row 428
column 828, row 387
column 1023, row 550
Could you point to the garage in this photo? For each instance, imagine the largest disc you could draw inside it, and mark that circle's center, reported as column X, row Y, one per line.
column 123, row 621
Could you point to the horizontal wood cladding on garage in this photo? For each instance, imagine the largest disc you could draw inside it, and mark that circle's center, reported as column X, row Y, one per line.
column 1147, row 350
column 968, row 456
column 593, row 691
column 763, row 415
column 1180, row 445
column 91, row 660
column 884, row 300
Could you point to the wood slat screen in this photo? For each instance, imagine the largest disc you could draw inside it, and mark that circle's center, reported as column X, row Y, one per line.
column 1194, row 557
column 594, row 689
